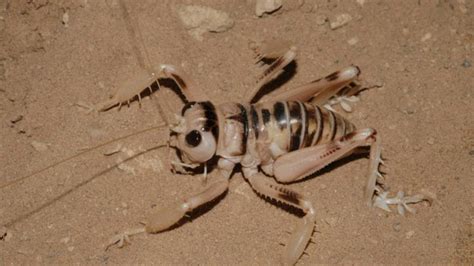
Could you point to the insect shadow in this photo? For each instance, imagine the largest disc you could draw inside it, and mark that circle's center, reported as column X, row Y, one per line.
column 286, row 74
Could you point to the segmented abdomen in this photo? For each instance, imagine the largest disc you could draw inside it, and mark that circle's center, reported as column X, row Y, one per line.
column 289, row 126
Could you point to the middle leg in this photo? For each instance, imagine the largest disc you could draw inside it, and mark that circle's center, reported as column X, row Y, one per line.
column 304, row 230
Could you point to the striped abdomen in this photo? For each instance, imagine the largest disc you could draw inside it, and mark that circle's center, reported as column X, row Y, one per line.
column 293, row 125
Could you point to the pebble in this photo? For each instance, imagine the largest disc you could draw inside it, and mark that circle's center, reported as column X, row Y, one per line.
column 3, row 233
column 101, row 84
column 426, row 37
column 397, row 227
column 431, row 140
column 331, row 221
column 113, row 150
column 341, row 20
column 321, row 20
column 65, row 240
column 267, row 6
column 96, row 132
column 466, row 63
column 200, row 19
column 39, row 146
column 65, row 19
column 353, row 41
column 409, row 234
column 16, row 119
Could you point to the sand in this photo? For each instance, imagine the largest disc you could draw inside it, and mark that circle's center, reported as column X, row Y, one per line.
column 57, row 58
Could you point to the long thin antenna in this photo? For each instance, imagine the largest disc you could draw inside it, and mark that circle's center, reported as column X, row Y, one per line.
column 81, row 184
column 12, row 182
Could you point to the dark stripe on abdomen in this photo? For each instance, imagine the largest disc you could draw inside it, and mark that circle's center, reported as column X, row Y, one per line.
column 254, row 118
column 280, row 115
column 319, row 125
column 296, row 125
column 245, row 124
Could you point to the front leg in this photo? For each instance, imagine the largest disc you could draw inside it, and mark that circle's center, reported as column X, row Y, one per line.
column 192, row 92
column 165, row 218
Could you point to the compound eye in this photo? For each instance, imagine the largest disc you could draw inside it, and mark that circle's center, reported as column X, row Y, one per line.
column 193, row 138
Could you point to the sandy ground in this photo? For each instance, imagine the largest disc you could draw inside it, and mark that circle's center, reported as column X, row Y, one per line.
column 52, row 65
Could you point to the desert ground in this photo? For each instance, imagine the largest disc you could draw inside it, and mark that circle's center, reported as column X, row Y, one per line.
column 59, row 59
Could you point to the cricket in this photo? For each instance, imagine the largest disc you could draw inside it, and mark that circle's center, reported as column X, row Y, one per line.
column 276, row 138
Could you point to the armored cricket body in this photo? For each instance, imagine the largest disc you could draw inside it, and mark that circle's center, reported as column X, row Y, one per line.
column 289, row 135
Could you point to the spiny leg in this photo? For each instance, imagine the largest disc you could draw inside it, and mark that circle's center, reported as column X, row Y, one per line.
column 165, row 218
column 283, row 53
column 340, row 85
column 304, row 230
column 299, row 164
column 186, row 85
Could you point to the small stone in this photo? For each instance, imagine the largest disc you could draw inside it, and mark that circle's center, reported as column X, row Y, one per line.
column 331, row 221
column 353, row 41
column 16, row 119
column 466, row 63
column 426, row 37
column 126, row 168
column 65, row 19
column 397, row 227
column 405, row 31
column 70, row 249
column 360, row 2
column 101, row 84
column 3, row 233
column 409, row 234
column 341, row 20
column 200, row 19
column 113, row 150
column 267, row 6
column 65, row 240
column 309, row 7
column 39, row 146
column 431, row 140
column 373, row 241
column 408, row 110
column 321, row 20
column 96, row 132
column 462, row 8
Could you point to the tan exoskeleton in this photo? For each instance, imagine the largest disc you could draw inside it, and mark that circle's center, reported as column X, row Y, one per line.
column 289, row 135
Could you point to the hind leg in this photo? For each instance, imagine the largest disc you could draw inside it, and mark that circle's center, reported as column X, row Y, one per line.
column 338, row 87
column 299, row 164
